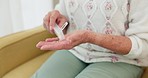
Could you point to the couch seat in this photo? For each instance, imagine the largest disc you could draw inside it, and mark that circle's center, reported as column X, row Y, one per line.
column 27, row 69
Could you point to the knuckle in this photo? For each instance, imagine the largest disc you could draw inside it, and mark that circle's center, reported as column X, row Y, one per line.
column 56, row 12
column 52, row 17
column 63, row 20
column 46, row 18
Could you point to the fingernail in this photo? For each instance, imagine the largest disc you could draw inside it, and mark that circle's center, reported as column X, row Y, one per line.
column 42, row 48
column 37, row 46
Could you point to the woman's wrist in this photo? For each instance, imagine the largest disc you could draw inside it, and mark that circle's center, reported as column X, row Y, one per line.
column 90, row 36
column 93, row 37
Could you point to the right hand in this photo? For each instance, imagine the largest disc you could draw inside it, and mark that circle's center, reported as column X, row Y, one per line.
column 52, row 18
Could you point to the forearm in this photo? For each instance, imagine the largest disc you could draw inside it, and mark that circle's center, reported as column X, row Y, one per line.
column 118, row 44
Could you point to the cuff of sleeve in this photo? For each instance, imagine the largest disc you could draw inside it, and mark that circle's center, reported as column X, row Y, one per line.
column 136, row 48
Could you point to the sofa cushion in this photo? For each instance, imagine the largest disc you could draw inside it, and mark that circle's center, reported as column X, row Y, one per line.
column 26, row 70
column 145, row 74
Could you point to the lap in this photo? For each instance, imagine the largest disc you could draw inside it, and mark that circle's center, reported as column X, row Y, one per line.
column 110, row 70
column 62, row 64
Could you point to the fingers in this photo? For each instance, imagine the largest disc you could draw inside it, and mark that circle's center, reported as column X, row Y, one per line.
column 54, row 16
column 56, row 46
column 50, row 47
column 61, row 24
column 50, row 20
column 61, row 21
column 42, row 43
column 52, row 39
column 39, row 45
column 46, row 21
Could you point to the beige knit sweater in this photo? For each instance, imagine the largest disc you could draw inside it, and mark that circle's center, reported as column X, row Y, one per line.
column 117, row 17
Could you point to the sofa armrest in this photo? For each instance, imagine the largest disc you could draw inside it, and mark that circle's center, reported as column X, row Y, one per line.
column 17, row 48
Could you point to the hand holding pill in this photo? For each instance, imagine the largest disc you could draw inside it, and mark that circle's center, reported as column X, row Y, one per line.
column 59, row 31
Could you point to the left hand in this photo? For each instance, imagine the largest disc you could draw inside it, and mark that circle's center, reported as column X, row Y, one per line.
column 71, row 40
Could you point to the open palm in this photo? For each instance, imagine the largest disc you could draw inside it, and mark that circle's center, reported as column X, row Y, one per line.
column 71, row 40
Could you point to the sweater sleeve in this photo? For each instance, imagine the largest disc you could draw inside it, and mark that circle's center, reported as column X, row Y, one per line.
column 61, row 7
column 138, row 29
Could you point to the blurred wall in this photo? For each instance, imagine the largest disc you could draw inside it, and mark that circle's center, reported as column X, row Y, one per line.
column 18, row 15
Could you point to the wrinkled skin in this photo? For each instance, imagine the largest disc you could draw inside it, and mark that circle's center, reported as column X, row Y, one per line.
column 71, row 40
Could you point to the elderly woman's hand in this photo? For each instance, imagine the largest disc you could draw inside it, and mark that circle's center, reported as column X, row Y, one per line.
column 71, row 40
column 52, row 18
